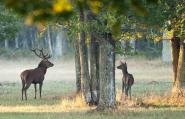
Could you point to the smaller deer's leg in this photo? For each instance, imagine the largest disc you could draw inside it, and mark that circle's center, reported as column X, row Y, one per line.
column 25, row 89
column 35, row 86
column 130, row 93
column 123, row 86
column 40, row 89
column 126, row 91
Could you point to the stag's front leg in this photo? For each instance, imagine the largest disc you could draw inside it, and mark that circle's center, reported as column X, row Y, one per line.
column 35, row 86
column 40, row 89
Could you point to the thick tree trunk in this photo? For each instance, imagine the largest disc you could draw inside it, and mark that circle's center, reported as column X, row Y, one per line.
column 77, row 67
column 175, row 55
column 85, row 78
column 178, row 53
column 107, row 74
column 94, row 69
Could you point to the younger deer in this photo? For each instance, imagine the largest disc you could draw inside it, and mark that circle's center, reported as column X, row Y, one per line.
column 127, row 80
column 35, row 76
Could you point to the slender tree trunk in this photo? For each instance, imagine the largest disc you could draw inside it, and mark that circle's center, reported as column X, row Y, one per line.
column 85, row 78
column 107, row 74
column 58, row 44
column 16, row 42
column 94, row 61
column 94, row 69
column 49, row 41
column 77, row 67
column 6, row 44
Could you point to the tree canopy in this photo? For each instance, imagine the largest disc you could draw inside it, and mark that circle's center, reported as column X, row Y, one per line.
column 9, row 24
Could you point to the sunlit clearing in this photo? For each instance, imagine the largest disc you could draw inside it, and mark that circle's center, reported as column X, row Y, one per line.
column 123, row 101
column 75, row 103
column 165, row 100
column 66, row 104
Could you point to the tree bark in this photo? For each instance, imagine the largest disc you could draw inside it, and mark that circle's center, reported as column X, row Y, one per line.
column 49, row 40
column 77, row 67
column 6, row 44
column 175, row 55
column 16, row 42
column 178, row 52
column 94, row 69
column 85, row 78
column 107, row 74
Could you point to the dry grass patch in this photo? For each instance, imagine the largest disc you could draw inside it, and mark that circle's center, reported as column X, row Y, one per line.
column 66, row 104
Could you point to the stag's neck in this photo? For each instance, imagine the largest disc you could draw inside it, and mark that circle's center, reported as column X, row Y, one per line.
column 44, row 69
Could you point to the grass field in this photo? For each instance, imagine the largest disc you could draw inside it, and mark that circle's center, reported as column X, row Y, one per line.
column 153, row 81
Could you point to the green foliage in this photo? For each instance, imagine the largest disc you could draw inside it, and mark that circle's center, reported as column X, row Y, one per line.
column 126, row 50
column 40, row 10
column 173, row 11
column 9, row 24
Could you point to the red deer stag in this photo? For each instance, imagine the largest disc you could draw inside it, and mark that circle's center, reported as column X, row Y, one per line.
column 127, row 80
column 36, row 76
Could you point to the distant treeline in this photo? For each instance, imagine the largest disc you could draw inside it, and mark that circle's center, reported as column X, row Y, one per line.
column 52, row 39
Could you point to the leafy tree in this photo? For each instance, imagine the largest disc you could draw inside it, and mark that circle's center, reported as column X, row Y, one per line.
column 9, row 24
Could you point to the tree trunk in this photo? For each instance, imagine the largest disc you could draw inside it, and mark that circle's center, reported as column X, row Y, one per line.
column 178, row 53
column 16, row 42
column 107, row 74
column 58, row 44
column 77, row 67
column 94, row 69
column 49, row 41
column 166, row 51
column 175, row 43
column 85, row 78
column 6, row 44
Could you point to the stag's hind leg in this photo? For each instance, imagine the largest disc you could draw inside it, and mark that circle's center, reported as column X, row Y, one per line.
column 40, row 89
column 23, row 86
column 25, row 89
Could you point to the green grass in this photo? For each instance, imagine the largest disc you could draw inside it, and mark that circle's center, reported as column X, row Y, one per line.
column 54, row 105
column 156, row 114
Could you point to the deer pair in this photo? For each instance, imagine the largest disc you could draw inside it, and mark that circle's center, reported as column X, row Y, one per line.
column 127, row 80
column 36, row 76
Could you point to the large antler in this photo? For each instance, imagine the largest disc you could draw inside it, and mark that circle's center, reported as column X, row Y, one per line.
column 41, row 53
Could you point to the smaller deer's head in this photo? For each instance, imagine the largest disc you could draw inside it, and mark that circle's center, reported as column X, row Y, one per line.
column 123, row 67
column 45, row 62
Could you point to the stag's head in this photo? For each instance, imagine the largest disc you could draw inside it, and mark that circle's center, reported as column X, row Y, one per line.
column 45, row 62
